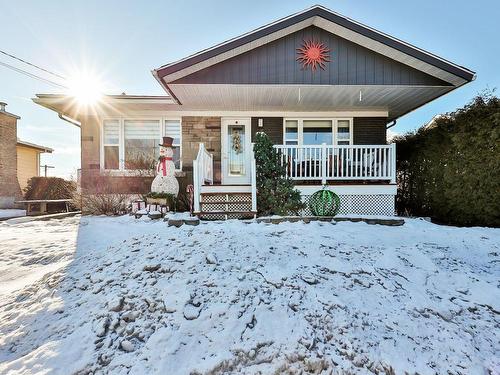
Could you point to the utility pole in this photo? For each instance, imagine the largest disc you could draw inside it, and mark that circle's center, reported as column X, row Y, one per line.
column 45, row 167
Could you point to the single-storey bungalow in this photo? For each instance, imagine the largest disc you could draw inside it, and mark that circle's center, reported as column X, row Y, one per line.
column 324, row 87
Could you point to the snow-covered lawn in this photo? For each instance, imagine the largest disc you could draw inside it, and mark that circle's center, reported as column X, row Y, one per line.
column 11, row 212
column 121, row 295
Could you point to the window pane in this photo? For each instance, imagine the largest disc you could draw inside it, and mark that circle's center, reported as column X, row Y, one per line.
column 111, row 157
column 317, row 136
column 111, row 132
column 142, row 129
column 173, row 129
column 343, row 132
column 236, row 163
column 141, row 153
column 316, row 132
column 141, row 143
column 317, row 124
column 177, row 157
column 291, row 132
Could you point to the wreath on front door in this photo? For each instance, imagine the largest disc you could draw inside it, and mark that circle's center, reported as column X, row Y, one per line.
column 236, row 140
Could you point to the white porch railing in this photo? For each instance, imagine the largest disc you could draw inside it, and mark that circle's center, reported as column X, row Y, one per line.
column 350, row 162
column 203, row 173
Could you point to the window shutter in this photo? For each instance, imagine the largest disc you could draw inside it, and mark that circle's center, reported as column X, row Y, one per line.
column 111, row 132
column 142, row 129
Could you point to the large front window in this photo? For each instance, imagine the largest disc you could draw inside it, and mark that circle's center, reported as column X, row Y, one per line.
column 133, row 144
column 315, row 132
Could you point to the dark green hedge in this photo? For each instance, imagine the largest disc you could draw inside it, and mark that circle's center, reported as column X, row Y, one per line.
column 450, row 170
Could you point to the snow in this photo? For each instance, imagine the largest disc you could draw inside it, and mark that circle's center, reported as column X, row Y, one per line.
column 11, row 212
column 120, row 295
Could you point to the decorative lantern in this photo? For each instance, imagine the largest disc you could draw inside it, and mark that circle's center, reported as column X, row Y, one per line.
column 324, row 203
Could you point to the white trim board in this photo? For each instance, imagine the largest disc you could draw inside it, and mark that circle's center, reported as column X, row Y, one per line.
column 389, row 189
column 216, row 113
column 226, row 189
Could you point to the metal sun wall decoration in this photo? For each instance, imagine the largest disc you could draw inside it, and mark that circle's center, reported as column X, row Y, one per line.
column 313, row 54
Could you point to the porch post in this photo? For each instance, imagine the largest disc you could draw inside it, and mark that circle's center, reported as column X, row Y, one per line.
column 323, row 163
column 253, row 180
column 393, row 163
column 196, row 185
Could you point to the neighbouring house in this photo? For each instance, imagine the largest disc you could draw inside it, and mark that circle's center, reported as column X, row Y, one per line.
column 28, row 161
column 325, row 88
column 19, row 160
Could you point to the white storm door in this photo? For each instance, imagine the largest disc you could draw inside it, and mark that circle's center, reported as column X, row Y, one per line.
column 235, row 149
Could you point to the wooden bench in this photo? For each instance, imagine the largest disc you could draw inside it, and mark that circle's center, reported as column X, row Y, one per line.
column 43, row 205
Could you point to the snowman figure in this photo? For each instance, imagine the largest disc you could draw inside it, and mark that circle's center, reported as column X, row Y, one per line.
column 165, row 181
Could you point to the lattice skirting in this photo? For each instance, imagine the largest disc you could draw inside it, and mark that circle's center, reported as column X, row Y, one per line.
column 360, row 204
column 226, row 202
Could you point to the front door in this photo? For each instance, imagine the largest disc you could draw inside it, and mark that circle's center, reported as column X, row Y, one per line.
column 236, row 146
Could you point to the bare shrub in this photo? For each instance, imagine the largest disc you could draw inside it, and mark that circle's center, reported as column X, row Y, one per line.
column 104, row 204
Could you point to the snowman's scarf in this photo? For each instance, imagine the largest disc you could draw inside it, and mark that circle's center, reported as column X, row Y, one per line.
column 163, row 163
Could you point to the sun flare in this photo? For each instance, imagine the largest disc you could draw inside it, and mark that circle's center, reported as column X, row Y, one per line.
column 86, row 87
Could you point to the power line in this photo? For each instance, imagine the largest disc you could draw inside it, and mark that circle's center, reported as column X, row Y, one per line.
column 31, row 75
column 31, row 64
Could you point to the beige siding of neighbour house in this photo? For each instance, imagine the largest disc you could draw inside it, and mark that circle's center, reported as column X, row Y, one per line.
column 28, row 165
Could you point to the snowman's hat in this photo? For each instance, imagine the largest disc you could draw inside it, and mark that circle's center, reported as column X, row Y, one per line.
column 167, row 142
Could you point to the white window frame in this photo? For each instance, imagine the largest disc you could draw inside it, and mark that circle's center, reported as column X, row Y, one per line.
column 121, row 144
column 300, row 127
column 284, row 130
column 110, row 144
column 164, row 119
column 335, row 130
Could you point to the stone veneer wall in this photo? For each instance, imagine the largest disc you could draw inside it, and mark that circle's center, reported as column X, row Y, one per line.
column 196, row 130
column 9, row 185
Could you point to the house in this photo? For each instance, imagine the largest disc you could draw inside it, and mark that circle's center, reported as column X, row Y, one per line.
column 28, row 161
column 325, row 88
column 19, row 160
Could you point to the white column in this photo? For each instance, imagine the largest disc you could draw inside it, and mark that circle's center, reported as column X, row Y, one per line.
column 393, row 163
column 253, row 180
column 196, row 185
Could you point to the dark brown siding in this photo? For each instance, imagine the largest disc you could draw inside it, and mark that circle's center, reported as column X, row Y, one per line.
column 273, row 127
column 275, row 63
column 370, row 130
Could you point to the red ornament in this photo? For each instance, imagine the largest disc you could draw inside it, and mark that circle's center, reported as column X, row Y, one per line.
column 313, row 54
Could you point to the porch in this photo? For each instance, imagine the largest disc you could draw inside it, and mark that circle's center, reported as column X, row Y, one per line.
column 363, row 176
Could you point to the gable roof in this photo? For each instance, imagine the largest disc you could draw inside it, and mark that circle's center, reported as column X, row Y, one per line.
column 331, row 21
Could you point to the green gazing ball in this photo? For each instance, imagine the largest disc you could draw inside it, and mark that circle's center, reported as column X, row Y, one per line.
column 324, row 203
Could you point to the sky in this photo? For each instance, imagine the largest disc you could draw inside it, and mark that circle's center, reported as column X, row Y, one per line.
column 122, row 41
